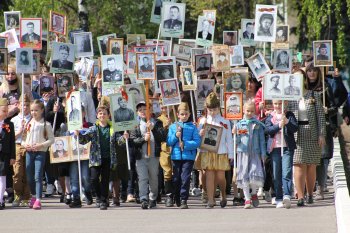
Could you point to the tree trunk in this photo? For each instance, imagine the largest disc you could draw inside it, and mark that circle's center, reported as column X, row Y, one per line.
column 246, row 9
column 83, row 15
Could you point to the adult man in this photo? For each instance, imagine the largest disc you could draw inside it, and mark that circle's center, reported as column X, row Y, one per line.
column 275, row 82
column 115, row 48
column 57, row 25
column 137, row 95
column 146, row 67
column 222, row 61
column 46, row 87
column 123, row 113
column 188, row 76
column 322, row 53
column 281, row 35
column 249, row 31
column 173, row 22
column 164, row 73
column 259, row 68
column 62, row 62
column 30, row 36
column 292, row 89
column 211, row 139
column 74, row 114
column 237, row 59
column 204, row 34
column 111, row 73
column 60, row 151
column 266, row 21
column 169, row 92
column 233, row 105
column 202, row 64
column 204, row 92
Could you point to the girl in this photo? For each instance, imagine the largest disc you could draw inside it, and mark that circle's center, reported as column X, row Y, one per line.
column 251, row 148
column 38, row 139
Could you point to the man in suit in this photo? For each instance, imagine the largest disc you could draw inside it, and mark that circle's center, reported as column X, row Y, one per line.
column 249, row 31
column 74, row 114
column 202, row 64
column 259, row 68
column 173, row 22
column 62, row 62
column 57, row 25
column 111, row 74
column 204, row 34
column 123, row 113
column 31, row 36
column 211, row 139
column 146, row 67
column 204, row 92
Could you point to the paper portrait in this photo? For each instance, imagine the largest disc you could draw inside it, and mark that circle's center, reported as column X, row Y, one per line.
column 154, row 102
column 71, row 34
column 204, row 88
column 12, row 40
column 236, row 55
column 149, row 48
column 205, row 31
column 248, row 52
column 123, row 112
column 24, row 60
column 112, row 69
column 74, row 114
column 47, row 84
column 83, row 68
column 3, row 61
column 194, row 52
column 131, row 62
column 274, row 86
column 30, row 33
column 102, row 42
column 64, row 84
column 157, row 10
column 115, row 46
column 180, row 62
column 173, row 20
column 233, row 105
column 182, row 52
column 57, row 23
column 293, row 86
column 36, row 63
column 109, row 88
column 247, row 32
column 61, row 150
column 212, row 137
column 83, row 41
column 221, row 59
column 258, row 66
column 63, row 57
column 282, row 34
column 210, row 15
column 135, row 40
column 283, row 86
column 137, row 90
column 323, row 53
column 188, row 78
column 235, row 81
column 188, row 42
column 265, row 19
column 166, row 69
column 202, row 64
column 170, row 92
column 282, row 60
column 12, row 20
column 164, row 43
column 84, row 150
column 230, row 38
column 146, row 66
column 331, row 69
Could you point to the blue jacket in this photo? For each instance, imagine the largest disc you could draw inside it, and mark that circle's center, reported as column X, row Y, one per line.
column 288, row 131
column 190, row 139
column 258, row 136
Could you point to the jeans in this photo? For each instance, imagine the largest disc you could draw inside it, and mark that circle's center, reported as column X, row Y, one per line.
column 321, row 172
column 147, row 170
column 50, row 170
column 35, row 162
column 181, row 177
column 101, row 187
column 85, row 177
column 282, row 172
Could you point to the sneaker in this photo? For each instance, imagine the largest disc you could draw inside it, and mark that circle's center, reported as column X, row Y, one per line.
column 196, row 192
column 279, row 204
column 24, row 203
column 248, row 204
column 273, row 201
column 50, row 189
column 144, row 205
column 152, row 204
column 32, row 201
column 37, row 205
column 260, row 192
column 255, row 200
column 169, row 201
column 268, row 197
column 310, row 200
column 300, row 202
column 130, row 198
column 16, row 201
column 319, row 195
column 204, row 197
column 115, row 201
column 184, row 204
column 103, row 206
column 286, row 202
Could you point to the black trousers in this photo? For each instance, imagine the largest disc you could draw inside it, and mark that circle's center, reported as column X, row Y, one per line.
column 101, row 186
column 268, row 174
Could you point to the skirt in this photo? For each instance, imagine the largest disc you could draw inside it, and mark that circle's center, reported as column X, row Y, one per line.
column 212, row 161
column 249, row 170
column 308, row 151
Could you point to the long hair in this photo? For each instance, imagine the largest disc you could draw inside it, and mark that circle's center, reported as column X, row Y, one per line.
column 4, row 88
column 41, row 105
column 307, row 82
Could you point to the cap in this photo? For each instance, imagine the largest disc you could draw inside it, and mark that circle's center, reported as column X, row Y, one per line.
column 183, row 106
column 212, row 101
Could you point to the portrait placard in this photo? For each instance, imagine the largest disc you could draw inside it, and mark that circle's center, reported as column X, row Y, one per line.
column 221, row 56
column 64, row 84
column 137, row 90
column 74, row 114
column 3, row 61
column 173, row 20
column 52, row 37
column 212, row 138
column 157, row 10
column 83, row 41
column 282, row 37
column 102, row 42
column 188, row 42
column 196, row 51
column 282, row 60
column 63, row 57
column 36, row 63
column 204, row 88
column 202, row 64
column 331, row 69
column 248, row 52
column 135, row 40
column 30, row 33
column 230, row 38
column 188, row 78
column 236, row 81
column 170, row 92
column 164, row 43
column 182, row 52
column 24, row 60
column 109, row 88
column 12, row 40
column 155, row 106
column 115, row 46
column 258, row 66
column 233, row 105
column 123, row 111
column 131, row 62
column 166, row 69
column 205, row 31
column 12, row 20
column 323, row 53
column 283, row 86
column 146, row 66
column 112, row 69
column 61, row 150
column 83, row 68
column 236, row 55
column 47, row 85
column 84, row 150
column 58, row 23
column 247, row 32
column 265, row 19
column 149, row 48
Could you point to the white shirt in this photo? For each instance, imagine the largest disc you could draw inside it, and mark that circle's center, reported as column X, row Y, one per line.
column 17, row 122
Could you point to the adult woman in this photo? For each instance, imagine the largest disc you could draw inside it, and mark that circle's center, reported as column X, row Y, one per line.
column 311, row 135
column 282, row 60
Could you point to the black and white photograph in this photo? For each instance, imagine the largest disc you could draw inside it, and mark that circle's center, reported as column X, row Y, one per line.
column 115, row 46
column 282, row 34
column 266, row 20
column 170, row 92
column 235, row 82
column 83, row 68
column 205, row 31
column 36, row 63
column 58, row 23
column 135, row 40
column 274, row 84
column 323, row 53
column 137, row 90
column 282, row 60
column 293, row 85
column 248, row 52
column 195, row 52
column 123, row 111
column 166, row 69
column 83, row 41
column 12, row 40
column 102, row 42
column 202, row 64
column 283, row 86
column 149, row 49
column 3, row 61
column 212, row 137
column 164, row 43
column 173, row 20
column 64, row 84
column 230, row 38
column 246, row 33
column 233, row 105
column 112, row 69
column 146, row 66
column 236, row 55
column 24, row 60
column 63, row 57
column 210, row 15
column 61, row 150
column 182, row 52
column 12, row 19
column 74, row 114
column 188, row 78
column 131, row 62
column 47, row 85
column 188, row 42
column 3, row 42
column 30, row 33
column 204, row 88
column 258, row 65
column 221, row 58
column 157, row 10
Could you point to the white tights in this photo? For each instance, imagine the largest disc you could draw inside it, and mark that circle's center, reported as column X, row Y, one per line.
column 2, row 188
column 246, row 191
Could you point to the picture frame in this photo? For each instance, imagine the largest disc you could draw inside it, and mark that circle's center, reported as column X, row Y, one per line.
column 3, row 42
column 202, row 64
column 282, row 61
column 36, row 63
column 12, row 39
column 236, row 55
column 64, row 84
column 57, row 23
column 83, row 68
column 135, row 40
column 146, row 66
column 196, row 51
column 323, row 53
column 24, row 60
column 221, row 58
column 3, row 61
column 51, row 37
column 47, row 85
column 282, row 37
column 170, row 92
column 204, row 88
column 112, row 69
column 283, row 87
column 248, row 52
column 164, row 43
column 210, row 15
column 246, row 33
column 165, row 69
column 84, row 150
column 149, row 49
column 12, row 20
column 230, row 38
column 102, row 42
column 61, row 150
column 331, row 69
column 123, row 111
column 266, row 21
column 115, row 46
column 233, row 105
column 188, row 78
column 137, row 90
column 157, row 10
column 236, row 81
column 155, row 102
column 63, row 57
column 173, row 20
column 188, row 42
column 205, row 31
column 258, row 66
column 182, row 52
column 212, row 137
column 83, row 42
column 30, row 33
column 131, row 62
column 74, row 113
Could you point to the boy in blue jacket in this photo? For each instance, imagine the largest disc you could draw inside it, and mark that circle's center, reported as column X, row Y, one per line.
column 184, row 139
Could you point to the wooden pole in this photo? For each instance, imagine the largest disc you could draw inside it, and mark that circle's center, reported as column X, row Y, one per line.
column 79, row 168
column 148, row 117
column 323, row 87
column 193, row 113
column 127, row 152
column 22, row 98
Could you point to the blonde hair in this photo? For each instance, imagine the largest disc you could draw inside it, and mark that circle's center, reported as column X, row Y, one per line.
column 4, row 88
column 249, row 103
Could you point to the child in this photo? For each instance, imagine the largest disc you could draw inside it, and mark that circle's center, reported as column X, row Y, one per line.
column 39, row 137
column 282, row 165
column 7, row 147
column 215, row 164
column 184, row 139
column 250, row 150
column 20, row 186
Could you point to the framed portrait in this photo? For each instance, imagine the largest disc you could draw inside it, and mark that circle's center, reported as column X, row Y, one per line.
column 11, row 19
column 12, row 40
column 47, row 84
column 123, row 110
column 30, row 33
column 180, row 62
column 149, row 48
column 83, row 68
column 293, row 86
column 323, row 53
column 157, row 10
column 331, row 69
column 188, row 78
column 102, row 42
column 83, row 42
column 3, row 61
column 115, row 46
column 230, row 38
column 24, row 60
column 236, row 81
column 282, row 60
column 164, row 43
column 173, row 20
column 51, row 37
column 112, row 69
column 146, row 66
column 131, row 62
column 282, row 37
column 266, row 20
column 137, row 90
column 233, row 105
column 135, row 40
column 166, row 69
column 196, row 51
column 248, row 52
column 283, row 86
column 170, row 92
column 84, row 150
column 36, row 63
column 64, row 84
column 202, row 64
column 212, row 137
column 205, row 31
column 63, row 57
column 58, row 23
column 247, row 32
column 3, row 42
column 221, row 58
column 71, row 34
column 258, row 66
column 74, row 114
column 182, row 52
column 236, row 55
column 188, row 42
column 204, row 88
column 155, row 106
column 61, row 150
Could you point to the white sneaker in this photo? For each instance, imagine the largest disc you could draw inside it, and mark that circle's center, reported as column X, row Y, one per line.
column 50, row 189
column 260, row 192
column 196, row 192
column 279, row 204
column 58, row 187
column 267, row 196
column 273, row 201
column 286, row 202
